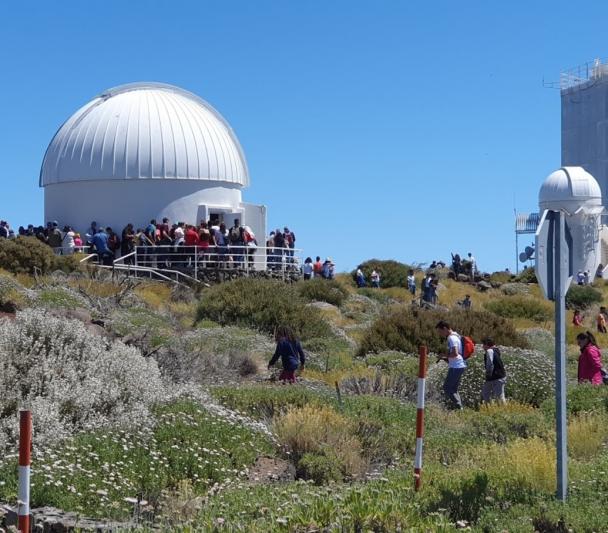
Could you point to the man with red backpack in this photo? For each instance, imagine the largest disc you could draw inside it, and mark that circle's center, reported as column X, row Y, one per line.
column 456, row 362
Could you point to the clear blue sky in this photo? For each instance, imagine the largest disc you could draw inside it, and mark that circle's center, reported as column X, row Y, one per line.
column 392, row 129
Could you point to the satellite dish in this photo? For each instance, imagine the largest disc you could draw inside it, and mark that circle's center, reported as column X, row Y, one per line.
column 527, row 254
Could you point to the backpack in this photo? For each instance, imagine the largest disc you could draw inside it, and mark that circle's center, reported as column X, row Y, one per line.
column 468, row 346
column 499, row 368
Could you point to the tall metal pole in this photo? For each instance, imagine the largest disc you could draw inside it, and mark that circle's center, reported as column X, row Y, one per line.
column 561, row 273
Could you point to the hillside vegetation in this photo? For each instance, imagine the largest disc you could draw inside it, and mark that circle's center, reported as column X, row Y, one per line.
column 154, row 401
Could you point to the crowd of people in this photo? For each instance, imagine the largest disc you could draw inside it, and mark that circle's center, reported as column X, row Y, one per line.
column 319, row 269
column 165, row 243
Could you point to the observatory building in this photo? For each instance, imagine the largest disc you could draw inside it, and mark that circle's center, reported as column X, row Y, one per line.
column 584, row 95
column 144, row 151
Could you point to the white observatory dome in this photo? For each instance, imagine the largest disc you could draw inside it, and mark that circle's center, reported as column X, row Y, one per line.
column 570, row 188
column 145, row 131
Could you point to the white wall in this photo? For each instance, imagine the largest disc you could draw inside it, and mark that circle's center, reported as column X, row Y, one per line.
column 255, row 217
column 118, row 202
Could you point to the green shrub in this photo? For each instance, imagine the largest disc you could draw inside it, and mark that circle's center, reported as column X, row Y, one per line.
column 263, row 305
column 530, row 377
column 263, row 402
column 527, row 275
column 520, row 307
column 404, row 329
column 540, row 339
column 323, row 290
column 60, row 298
column 392, row 273
column 466, row 499
column 26, row 255
column 503, row 423
column 512, row 289
column 375, row 294
column 582, row 398
column 500, row 277
column 320, row 468
column 93, row 472
column 582, row 296
column 68, row 263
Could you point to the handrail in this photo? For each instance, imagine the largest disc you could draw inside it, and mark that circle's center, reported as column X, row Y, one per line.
column 123, row 257
column 175, row 260
column 87, row 258
column 139, row 269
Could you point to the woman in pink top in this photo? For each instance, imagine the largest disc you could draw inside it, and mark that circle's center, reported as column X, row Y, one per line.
column 590, row 360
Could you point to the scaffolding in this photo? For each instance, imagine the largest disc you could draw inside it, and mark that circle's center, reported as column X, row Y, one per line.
column 525, row 224
column 590, row 71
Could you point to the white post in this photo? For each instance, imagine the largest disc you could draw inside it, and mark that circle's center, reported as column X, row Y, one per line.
column 25, row 446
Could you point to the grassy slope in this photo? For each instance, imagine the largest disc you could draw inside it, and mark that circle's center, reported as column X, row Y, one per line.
column 491, row 468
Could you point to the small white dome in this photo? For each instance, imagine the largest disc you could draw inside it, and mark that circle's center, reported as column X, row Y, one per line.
column 145, row 131
column 568, row 188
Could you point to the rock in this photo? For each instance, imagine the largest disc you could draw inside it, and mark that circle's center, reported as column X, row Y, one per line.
column 58, row 275
column 322, row 305
column 79, row 314
column 484, row 286
column 463, row 277
column 97, row 330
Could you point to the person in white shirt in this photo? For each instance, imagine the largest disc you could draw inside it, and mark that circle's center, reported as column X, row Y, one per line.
column 411, row 282
column 456, row 363
column 473, row 265
column 178, row 235
column 307, row 268
column 375, row 279
column 67, row 244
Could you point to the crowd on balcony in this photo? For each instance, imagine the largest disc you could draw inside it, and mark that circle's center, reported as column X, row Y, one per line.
column 163, row 243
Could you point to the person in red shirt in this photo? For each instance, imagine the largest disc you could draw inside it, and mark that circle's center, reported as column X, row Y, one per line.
column 577, row 319
column 191, row 236
column 317, row 268
column 590, row 360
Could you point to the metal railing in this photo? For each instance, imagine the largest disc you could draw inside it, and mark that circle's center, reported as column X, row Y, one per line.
column 583, row 73
column 193, row 262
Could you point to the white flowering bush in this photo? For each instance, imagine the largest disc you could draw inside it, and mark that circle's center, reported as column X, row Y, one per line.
column 70, row 378
column 530, row 376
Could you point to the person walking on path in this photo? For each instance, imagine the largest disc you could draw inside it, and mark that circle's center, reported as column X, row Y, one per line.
column 456, row 363
column 290, row 351
column 375, row 279
column 496, row 377
column 590, row 359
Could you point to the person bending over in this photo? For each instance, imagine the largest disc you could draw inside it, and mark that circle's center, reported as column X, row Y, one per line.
column 290, row 351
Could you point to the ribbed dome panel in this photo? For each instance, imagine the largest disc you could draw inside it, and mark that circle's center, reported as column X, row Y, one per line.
column 145, row 131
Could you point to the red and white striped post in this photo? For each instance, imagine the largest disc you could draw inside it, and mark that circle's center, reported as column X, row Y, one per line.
column 422, row 351
column 25, row 449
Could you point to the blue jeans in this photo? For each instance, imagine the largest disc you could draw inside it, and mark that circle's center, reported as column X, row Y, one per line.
column 450, row 386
